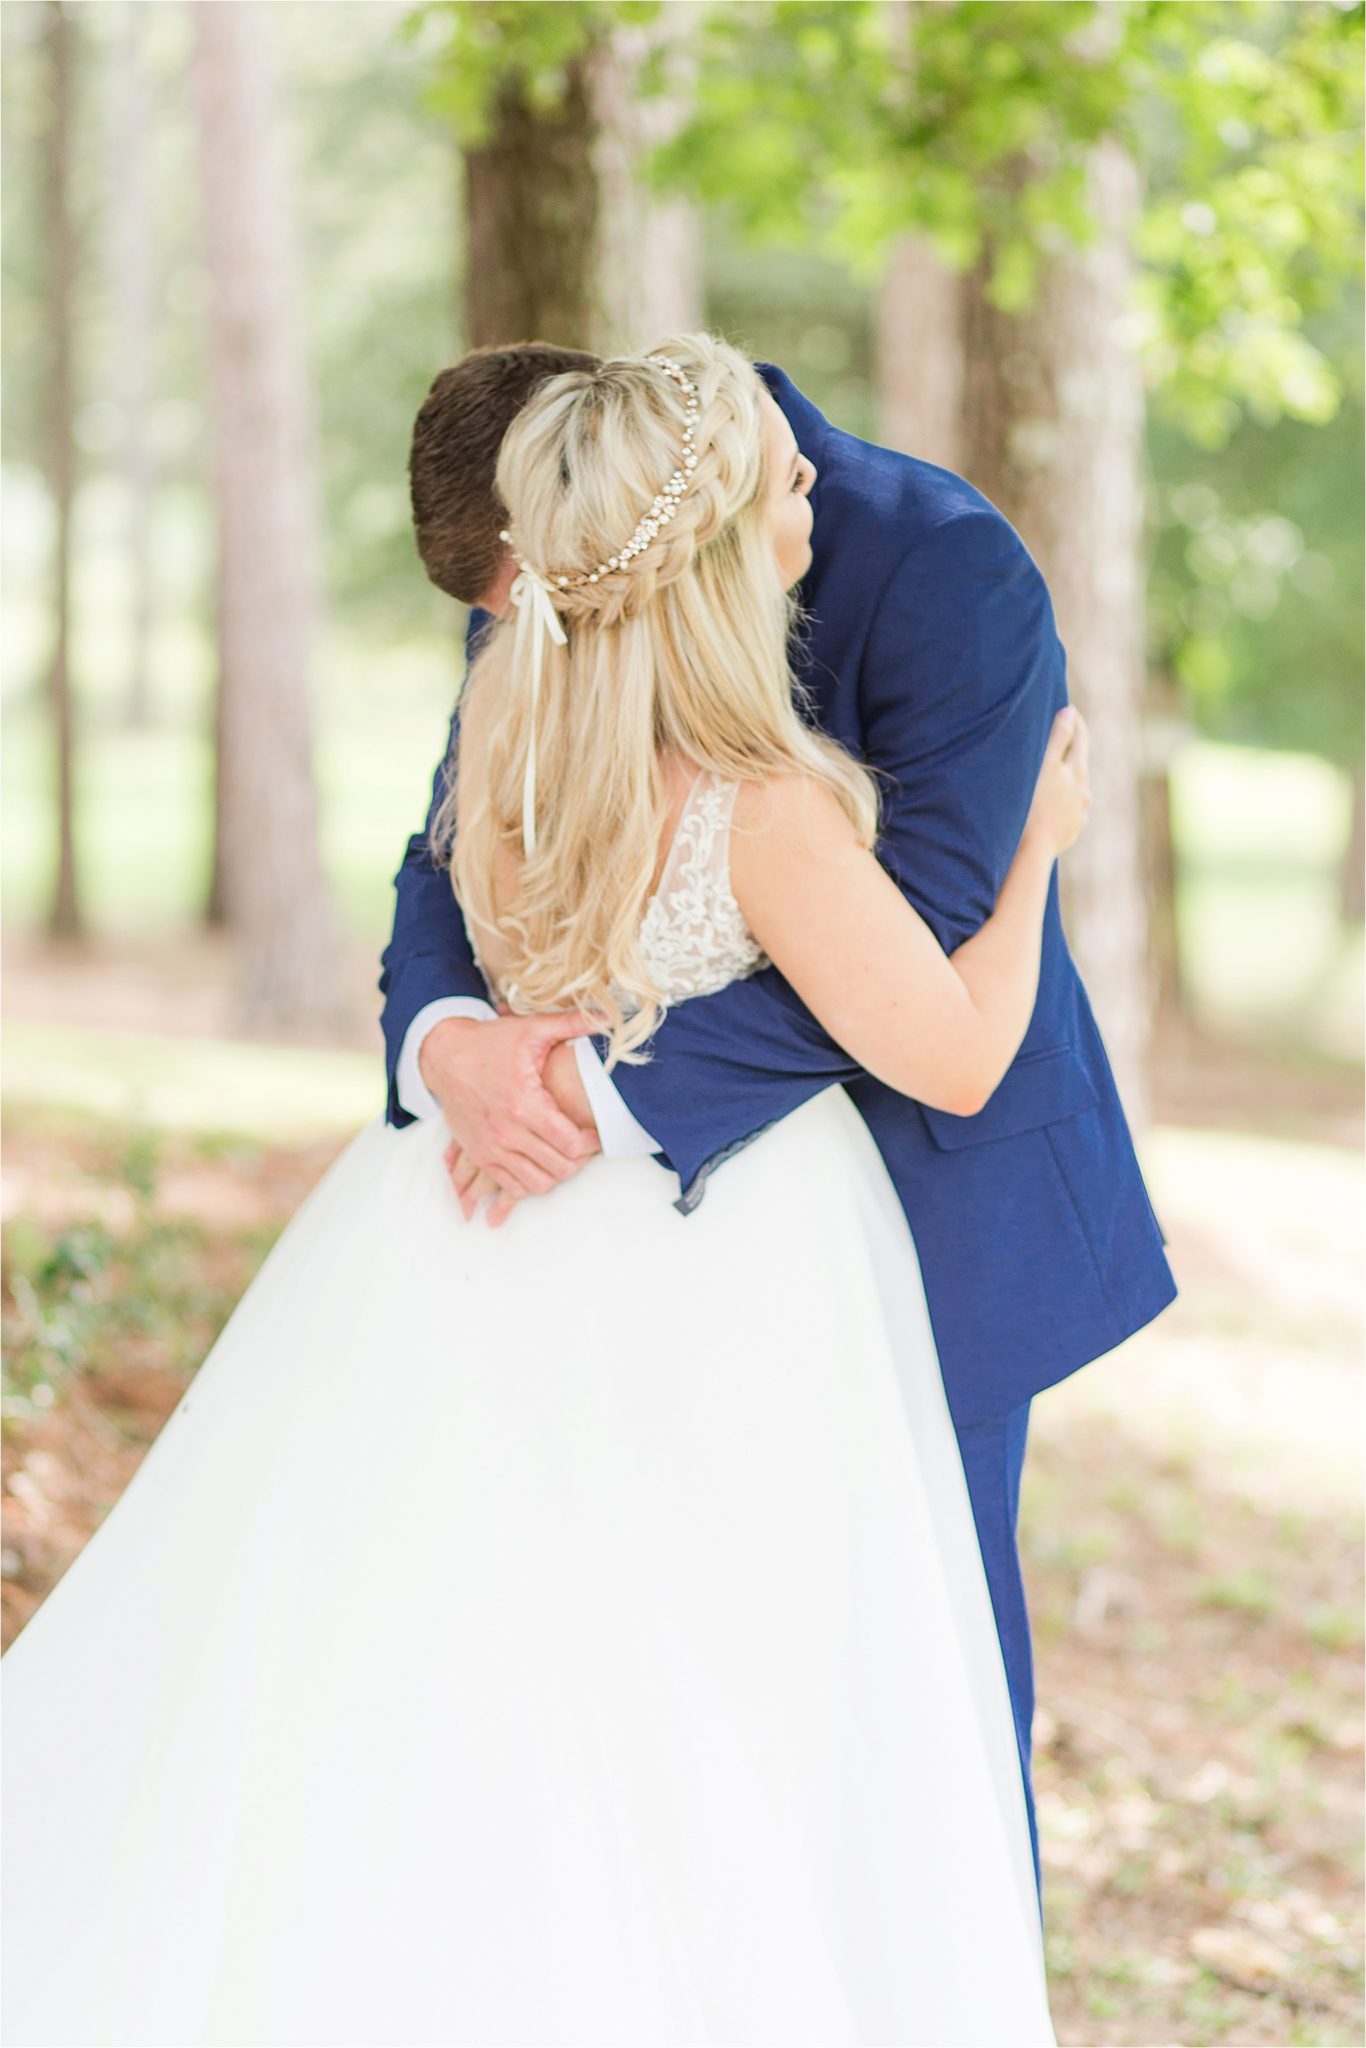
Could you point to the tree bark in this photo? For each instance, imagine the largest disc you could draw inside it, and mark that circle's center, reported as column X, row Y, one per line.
column 531, row 220
column 1053, row 417
column 1166, row 730
column 566, row 242
column 64, row 915
column 649, row 244
column 274, row 894
column 918, row 340
column 216, row 902
column 918, row 319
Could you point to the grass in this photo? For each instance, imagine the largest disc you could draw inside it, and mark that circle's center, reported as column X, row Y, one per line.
column 1259, row 838
column 147, row 1081
column 144, row 799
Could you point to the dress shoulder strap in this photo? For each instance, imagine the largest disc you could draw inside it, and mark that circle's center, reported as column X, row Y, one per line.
column 700, row 849
column 694, row 936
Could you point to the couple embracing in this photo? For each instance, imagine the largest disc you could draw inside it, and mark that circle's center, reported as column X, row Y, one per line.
column 619, row 1636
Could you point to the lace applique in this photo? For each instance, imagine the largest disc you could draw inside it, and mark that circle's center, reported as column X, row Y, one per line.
column 693, row 935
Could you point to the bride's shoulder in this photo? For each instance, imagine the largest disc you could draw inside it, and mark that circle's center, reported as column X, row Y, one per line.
column 788, row 813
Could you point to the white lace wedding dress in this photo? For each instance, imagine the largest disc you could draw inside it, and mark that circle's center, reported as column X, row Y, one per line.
column 572, row 1633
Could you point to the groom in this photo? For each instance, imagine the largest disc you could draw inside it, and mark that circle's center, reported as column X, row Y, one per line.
column 930, row 651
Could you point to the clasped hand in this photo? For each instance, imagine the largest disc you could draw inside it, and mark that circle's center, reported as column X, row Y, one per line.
column 514, row 1104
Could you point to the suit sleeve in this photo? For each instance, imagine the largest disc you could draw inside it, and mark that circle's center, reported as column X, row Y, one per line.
column 428, row 955
column 961, row 677
column 958, row 697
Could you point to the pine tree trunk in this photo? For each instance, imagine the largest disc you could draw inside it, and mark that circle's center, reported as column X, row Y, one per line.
column 1053, row 412
column 531, row 221
column 566, row 241
column 216, row 903
column 1166, row 731
column 649, row 245
column 918, row 333
column 133, row 294
column 273, row 890
column 919, row 352
column 64, row 916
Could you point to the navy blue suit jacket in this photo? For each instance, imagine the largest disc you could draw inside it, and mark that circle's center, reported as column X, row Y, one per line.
column 931, row 651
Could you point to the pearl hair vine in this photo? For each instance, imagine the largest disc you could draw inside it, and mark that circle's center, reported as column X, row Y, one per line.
column 665, row 504
column 533, row 594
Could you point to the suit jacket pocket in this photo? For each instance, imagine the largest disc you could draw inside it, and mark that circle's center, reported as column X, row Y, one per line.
column 1041, row 1088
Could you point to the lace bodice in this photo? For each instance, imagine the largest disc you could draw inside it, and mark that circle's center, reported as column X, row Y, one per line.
column 693, row 933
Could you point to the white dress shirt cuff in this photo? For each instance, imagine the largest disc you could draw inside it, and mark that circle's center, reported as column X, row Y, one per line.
column 623, row 1137
column 413, row 1093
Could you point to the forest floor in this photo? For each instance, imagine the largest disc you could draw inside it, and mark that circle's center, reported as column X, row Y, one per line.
column 1191, row 1522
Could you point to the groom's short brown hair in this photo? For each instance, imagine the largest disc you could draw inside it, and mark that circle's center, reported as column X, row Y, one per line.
column 456, row 438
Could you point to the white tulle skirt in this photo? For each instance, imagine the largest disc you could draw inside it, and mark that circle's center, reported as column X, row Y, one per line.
column 573, row 1633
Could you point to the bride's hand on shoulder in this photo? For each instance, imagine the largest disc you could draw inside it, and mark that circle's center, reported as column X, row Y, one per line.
column 1062, row 794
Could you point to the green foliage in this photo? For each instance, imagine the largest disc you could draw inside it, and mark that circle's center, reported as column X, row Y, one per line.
column 813, row 130
column 1246, row 1591
column 848, row 124
column 1255, row 593
column 26, row 112
column 1254, row 217
column 844, row 126
column 89, row 1296
column 479, row 48
column 59, row 1290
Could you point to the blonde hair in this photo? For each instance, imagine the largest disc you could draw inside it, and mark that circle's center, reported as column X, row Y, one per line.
column 682, row 651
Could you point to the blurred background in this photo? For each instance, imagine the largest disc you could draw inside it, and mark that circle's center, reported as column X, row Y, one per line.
column 1102, row 259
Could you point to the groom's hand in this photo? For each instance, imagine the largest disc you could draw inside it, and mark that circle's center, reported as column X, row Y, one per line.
column 488, row 1074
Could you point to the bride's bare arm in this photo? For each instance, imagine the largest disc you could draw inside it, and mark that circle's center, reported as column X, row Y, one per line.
column 942, row 1027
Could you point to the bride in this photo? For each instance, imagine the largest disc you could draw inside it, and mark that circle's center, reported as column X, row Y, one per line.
column 576, row 1632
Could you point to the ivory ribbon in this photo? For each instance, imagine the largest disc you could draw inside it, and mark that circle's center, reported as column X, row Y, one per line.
column 536, row 616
